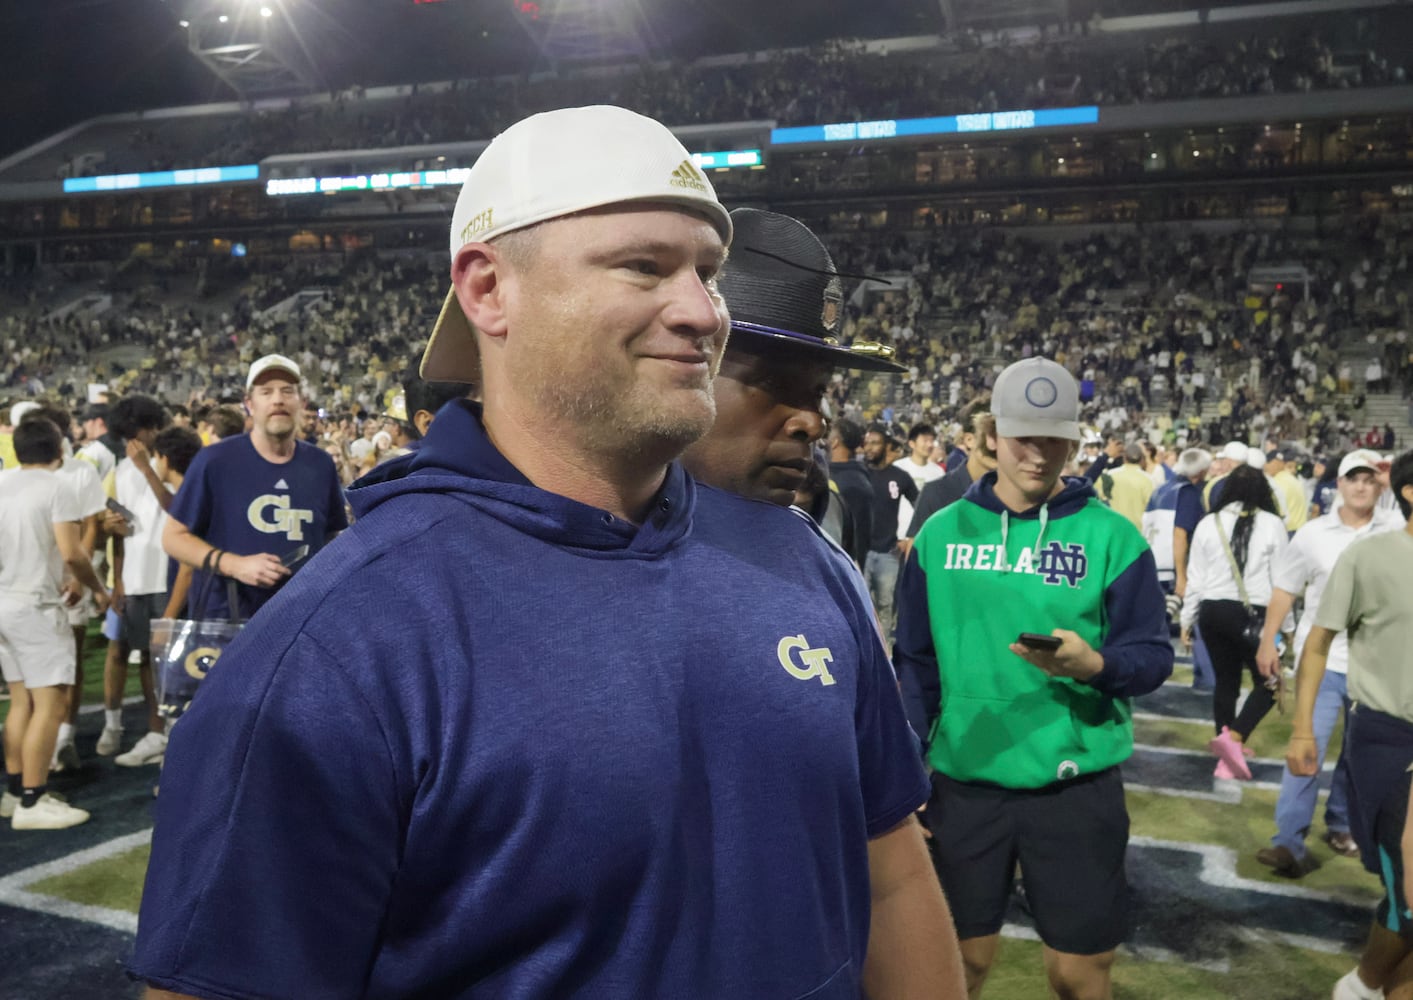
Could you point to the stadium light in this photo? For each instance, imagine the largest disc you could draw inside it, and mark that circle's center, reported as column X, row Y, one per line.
column 185, row 24
column 223, row 19
column 266, row 12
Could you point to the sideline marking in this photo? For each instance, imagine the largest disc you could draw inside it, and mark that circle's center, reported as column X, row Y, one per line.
column 13, row 891
column 1144, row 953
column 1219, row 869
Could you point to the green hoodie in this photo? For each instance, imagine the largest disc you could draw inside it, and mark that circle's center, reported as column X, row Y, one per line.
column 979, row 575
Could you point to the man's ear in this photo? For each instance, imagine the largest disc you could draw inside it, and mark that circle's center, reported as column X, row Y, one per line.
column 422, row 419
column 478, row 276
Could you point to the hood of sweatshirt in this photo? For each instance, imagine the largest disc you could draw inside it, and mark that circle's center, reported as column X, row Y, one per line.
column 1077, row 492
column 458, row 461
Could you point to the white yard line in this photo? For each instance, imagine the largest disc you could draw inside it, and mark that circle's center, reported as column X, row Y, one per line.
column 1219, row 869
column 13, row 891
column 1146, row 953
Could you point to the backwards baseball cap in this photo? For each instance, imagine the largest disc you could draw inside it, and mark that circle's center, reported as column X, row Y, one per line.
column 1360, row 458
column 21, row 409
column 271, row 362
column 1036, row 398
column 781, row 287
column 555, row 164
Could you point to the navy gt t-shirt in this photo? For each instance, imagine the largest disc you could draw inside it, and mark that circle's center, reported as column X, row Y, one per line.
column 240, row 502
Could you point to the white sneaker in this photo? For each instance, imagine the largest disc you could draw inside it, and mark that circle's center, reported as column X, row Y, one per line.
column 1351, row 987
column 148, row 750
column 111, row 741
column 8, row 804
column 66, row 758
column 48, row 813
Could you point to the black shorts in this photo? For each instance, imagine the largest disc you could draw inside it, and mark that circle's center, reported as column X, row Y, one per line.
column 139, row 610
column 1069, row 840
column 1379, row 753
column 1393, row 912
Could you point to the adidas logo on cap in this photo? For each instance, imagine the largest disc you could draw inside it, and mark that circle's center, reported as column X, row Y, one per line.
column 688, row 176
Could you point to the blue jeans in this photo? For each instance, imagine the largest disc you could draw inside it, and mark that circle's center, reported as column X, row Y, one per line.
column 1295, row 809
column 881, row 572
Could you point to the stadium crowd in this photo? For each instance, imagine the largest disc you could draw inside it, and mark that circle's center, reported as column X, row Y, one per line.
column 1064, row 406
column 841, row 81
column 1167, row 336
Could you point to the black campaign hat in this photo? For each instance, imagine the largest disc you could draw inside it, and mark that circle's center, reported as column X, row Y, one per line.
column 781, row 286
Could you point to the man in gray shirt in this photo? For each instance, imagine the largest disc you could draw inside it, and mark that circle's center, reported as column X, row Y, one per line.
column 1368, row 596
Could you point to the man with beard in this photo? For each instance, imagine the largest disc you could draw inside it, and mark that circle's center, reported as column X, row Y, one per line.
column 253, row 502
column 612, row 733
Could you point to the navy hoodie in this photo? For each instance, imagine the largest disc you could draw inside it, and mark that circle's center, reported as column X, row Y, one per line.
column 493, row 742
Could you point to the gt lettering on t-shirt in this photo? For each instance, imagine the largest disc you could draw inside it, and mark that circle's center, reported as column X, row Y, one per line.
column 1056, row 563
column 273, row 515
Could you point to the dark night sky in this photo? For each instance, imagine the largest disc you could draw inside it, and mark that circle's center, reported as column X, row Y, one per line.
column 62, row 61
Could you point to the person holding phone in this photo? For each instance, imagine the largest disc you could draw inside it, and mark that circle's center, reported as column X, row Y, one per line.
column 1029, row 614
column 250, row 500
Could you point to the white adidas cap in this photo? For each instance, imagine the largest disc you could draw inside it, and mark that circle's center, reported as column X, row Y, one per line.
column 552, row 165
column 1036, row 398
column 271, row 362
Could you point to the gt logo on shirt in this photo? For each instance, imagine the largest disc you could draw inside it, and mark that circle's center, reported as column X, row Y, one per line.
column 813, row 662
column 273, row 514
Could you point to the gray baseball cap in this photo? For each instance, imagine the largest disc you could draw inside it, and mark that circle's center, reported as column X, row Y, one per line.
column 1036, row 398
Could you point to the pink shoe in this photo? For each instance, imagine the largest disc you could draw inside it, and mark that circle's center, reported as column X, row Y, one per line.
column 1229, row 752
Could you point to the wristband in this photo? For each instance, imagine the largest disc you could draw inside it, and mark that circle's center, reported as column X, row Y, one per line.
column 216, row 561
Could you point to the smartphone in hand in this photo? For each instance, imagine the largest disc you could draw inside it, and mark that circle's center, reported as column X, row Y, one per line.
column 1034, row 640
column 294, row 557
column 121, row 511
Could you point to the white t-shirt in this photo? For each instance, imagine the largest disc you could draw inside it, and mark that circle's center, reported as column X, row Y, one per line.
column 32, row 501
column 922, row 474
column 96, row 454
column 1305, row 566
column 87, row 485
column 144, row 560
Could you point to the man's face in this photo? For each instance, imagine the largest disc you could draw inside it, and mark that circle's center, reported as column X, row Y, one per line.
column 1031, row 465
column 275, row 404
column 767, row 417
column 1220, row 466
column 922, row 448
column 615, row 327
column 1360, row 491
column 875, row 448
column 94, row 429
column 181, row 420
column 147, row 436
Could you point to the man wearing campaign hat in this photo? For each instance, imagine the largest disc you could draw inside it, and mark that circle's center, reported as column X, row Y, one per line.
column 1304, row 569
column 785, row 300
column 1029, row 618
column 253, row 506
column 611, row 733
